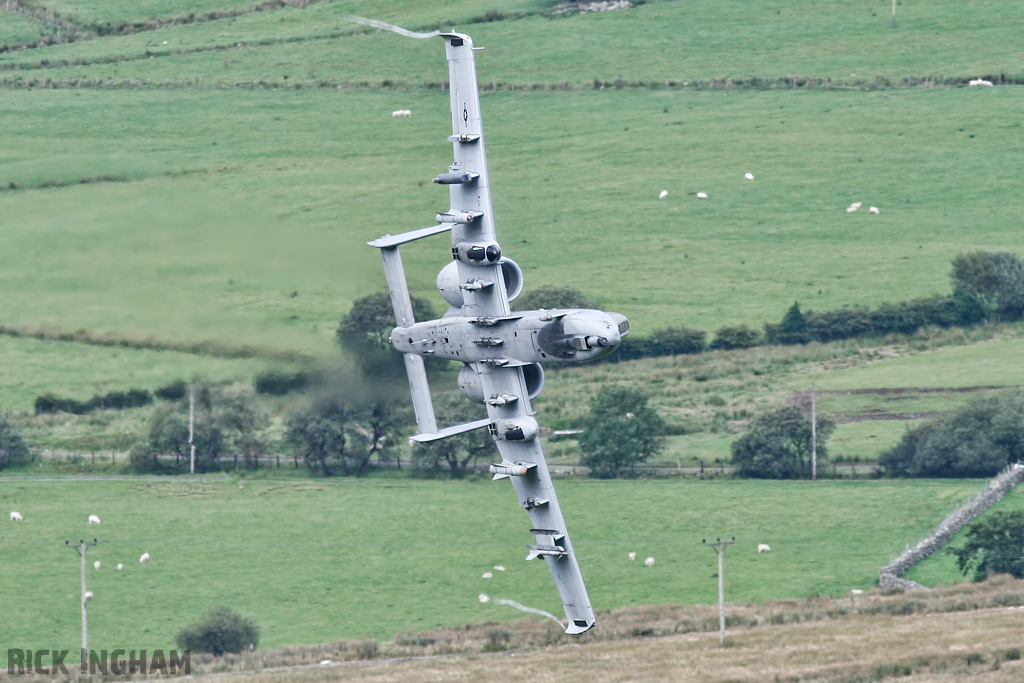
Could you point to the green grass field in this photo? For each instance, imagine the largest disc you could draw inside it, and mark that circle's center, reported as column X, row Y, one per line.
column 318, row 561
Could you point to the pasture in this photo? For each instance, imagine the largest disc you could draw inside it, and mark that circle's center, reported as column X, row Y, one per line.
column 222, row 209
column 320, row 561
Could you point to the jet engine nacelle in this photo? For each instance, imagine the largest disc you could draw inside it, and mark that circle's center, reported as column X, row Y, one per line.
column 469, row 382
column 451, row 287
column 522, row 428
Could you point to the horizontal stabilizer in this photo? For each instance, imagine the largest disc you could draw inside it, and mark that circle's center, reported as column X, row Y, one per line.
column 395, row 240
column 451, row 431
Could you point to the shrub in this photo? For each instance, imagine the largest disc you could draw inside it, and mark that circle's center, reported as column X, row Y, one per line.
column 221, row 630
column 13, row 447
column 175, row 391
column 777, row 445
column 278, row 383
column 737, row 337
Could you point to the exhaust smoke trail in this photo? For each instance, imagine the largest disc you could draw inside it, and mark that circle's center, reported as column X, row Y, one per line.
column 513, row 603
column 391, row 27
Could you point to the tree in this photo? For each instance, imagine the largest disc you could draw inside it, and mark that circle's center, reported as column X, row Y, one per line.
column 13, row 447
column 365, row 333
column 549, row 296
column 338, row 433
column 994, row 544
column 317, row 434
column 221, row 630
column 454, row 452
column 793, row 329
column 228, row 422
column 994, row 279
column 620, row 430
column 777, row 444
column 977, row 440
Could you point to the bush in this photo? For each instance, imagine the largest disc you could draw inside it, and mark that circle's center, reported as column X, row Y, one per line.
column 277, row 383
column 175, row 391
column 549, row 296
column 221, row 630
column 994, row 544
column 620, row 430
column 668, row 341
column 738, row 337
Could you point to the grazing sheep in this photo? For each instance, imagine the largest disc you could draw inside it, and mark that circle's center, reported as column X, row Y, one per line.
column 483, row 598
column 96, row 564
column 649, row 562
column 857, row 205
column 499, row 568
column 120, row 566
column 144, row 558
column 980, row 81
column 15, row 516
column 632, row 556
column 763, row 548
column 93, row 519
column 487, row 575
column 749, row 176
column 873, row 209
column 405, row 113
column 88, row 595
column 856, row 591
column 664, row 193
column 702, row 195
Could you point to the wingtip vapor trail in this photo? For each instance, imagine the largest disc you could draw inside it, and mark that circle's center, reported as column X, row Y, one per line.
column 391, row 27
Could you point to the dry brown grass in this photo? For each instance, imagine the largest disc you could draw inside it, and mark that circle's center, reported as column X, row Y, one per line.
column 948, row 634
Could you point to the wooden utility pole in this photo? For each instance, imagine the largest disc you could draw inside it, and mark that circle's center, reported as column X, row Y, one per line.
column 894, row 13
column 719, row 545
column 191, row 426
column 81, row 548
column 814, row 434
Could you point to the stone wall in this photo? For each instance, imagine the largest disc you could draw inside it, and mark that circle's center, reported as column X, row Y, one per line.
column 889, row 576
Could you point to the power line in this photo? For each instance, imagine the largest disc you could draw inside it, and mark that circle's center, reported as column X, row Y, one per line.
column 719, row 545
column 81, row 548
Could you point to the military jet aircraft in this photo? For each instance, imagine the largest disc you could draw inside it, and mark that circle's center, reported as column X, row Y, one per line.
column 502, row 350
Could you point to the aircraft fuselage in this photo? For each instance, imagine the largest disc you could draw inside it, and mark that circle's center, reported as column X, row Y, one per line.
column 572, row 335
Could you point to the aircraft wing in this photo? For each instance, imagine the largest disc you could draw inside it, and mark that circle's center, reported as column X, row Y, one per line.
column 512, row 424
column 511, row 420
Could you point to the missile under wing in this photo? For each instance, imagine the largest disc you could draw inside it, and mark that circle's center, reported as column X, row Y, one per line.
column 502, row 351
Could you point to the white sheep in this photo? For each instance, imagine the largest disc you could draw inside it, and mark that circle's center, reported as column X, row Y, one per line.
column 873, row 209
column 120, row 566
column 15, row 516
column 88, row 595
column 980, row 81
column 649, row 562
column 406, row 113
column 144, row 558
column 93, row 519
column 856, row 591
column 498, row 568
column 483, row 598
column 96, row 564
column 702, row 195
column 748, row 176
column 763, row 548
column 632, row 556
column 664, row 193
column 487, row 575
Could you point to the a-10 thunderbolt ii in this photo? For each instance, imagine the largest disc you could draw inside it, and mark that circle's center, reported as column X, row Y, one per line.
column 502, row 350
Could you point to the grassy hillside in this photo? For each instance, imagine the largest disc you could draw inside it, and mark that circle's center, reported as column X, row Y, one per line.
column 240, row 214
column 314, row 562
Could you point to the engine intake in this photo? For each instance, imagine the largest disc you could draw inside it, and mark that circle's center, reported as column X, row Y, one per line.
column 470, row 386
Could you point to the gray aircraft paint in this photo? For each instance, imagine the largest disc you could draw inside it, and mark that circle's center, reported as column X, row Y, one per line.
column 502, row 350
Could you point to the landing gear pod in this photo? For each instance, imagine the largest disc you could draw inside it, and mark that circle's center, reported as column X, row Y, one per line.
column 469, row 382
column 477, row 253
column 452, row 288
